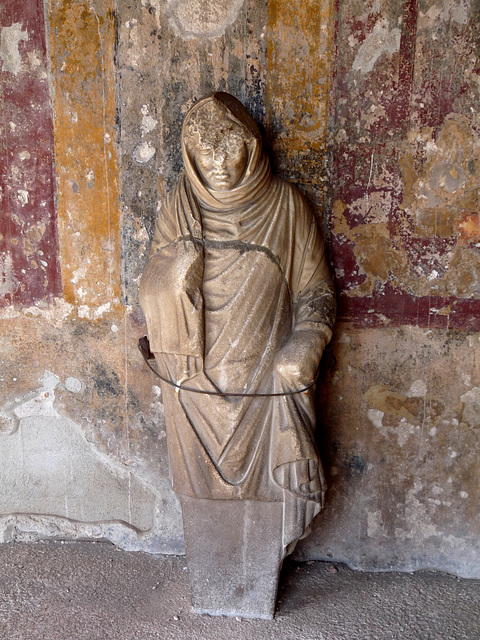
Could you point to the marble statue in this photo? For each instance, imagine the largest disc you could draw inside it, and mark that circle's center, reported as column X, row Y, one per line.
column 239, row 307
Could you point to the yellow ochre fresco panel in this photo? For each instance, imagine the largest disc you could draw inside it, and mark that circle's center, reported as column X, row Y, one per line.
column 82, row 37
column 299, row 51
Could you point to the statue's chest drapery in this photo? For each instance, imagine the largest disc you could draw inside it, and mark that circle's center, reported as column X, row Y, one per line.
column 247, row 315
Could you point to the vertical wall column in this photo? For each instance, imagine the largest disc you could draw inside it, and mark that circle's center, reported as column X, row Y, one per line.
column 29, row 269
column 82, row 38
column 300, row 52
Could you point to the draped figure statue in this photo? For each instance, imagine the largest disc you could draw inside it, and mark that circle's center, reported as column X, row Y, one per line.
column 239, row 307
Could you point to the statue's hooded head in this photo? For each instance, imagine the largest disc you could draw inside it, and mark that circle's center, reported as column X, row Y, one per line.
column 222, row 151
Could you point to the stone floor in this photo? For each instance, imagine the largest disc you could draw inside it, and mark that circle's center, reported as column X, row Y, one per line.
column 92, row 591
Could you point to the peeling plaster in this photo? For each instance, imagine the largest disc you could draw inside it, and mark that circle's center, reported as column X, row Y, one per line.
column 472, row 396
column 9, row 47
column 8, row 281
column 380, row 41
column 60, row 473
column 143, row 153
column 201, row 18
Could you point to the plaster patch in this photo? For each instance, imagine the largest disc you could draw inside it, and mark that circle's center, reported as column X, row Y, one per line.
column 207, row 18
column 56, row 312
column 34, row 403
column 148, row 122
column 22, row 196
column 104, row 308
column 381, row 40
column 143, row 153
column 78, row 274
column 404, row 431
column 376, row 417
column 9, row 51
column 456, row 10
column 48, row 467
column 8, row 281
column 472, row 396
column 417, row 390
column 74, row 385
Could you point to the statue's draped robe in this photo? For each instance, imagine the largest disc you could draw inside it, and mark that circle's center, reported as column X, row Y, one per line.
column 222, row 292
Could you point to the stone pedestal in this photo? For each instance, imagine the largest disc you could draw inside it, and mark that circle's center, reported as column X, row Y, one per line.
column 234, row 555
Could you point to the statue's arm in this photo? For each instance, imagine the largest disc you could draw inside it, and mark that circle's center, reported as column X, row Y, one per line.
column 314, row 313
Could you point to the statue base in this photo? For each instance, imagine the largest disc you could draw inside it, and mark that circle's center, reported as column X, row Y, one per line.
column 234, row 555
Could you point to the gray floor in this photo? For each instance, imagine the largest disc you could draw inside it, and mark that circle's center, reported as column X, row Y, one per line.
column 92, row 591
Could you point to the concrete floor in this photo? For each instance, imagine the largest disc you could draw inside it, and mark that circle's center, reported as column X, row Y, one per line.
column 92, row 591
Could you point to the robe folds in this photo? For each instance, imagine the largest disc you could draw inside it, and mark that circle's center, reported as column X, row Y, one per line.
column 226, row 285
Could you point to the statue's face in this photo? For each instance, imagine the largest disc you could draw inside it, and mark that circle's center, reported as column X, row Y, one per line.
column 223, row 165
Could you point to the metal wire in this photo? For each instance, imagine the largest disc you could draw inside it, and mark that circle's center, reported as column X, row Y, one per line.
column 144, row 349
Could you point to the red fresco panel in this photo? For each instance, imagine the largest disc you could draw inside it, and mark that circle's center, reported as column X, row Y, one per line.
column 29, row 266
column 414, row 91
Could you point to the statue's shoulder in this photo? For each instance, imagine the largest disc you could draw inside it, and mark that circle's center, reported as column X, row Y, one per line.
column 294, row 200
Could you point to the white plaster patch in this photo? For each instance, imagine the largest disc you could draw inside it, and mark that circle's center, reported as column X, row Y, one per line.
column 472, row 396
column 99, row 311
column 24, row 155
column 404, row 431
column 466, row 379
column 417, row 390
column 148, row 122
column 34, row 58
column 48, row 467
column 34, row 403
column 463, row 495
column 376, row 417
column 143, row 153
column 74, row 385
column 83, row 311
column 78, row 274
column 381, row 40
column 8, row 281
column 202, row 18
column 9, row 52
column 22, row 196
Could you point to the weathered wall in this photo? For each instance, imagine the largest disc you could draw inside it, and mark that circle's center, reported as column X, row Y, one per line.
column 402, row 404
column 371, row 108
column 82, row 449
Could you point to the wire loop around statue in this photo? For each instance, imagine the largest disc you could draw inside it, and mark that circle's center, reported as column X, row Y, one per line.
column 144, row 348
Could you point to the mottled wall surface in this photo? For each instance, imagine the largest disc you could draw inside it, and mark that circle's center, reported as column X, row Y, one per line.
column 401, row 414
column 371, row 108
column 169, row 56
column 406, row 163
column 401, row 405
column 29, row 268
column 82, row 445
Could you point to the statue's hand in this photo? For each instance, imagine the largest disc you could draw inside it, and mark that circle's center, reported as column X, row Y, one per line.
column 298, row 360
